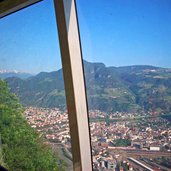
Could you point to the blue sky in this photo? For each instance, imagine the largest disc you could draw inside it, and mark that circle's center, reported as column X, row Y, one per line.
column 115, row 32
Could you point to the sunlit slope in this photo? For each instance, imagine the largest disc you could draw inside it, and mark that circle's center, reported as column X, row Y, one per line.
column 151, row 85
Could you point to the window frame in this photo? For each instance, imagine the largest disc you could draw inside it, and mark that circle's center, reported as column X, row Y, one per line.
column 74, row 81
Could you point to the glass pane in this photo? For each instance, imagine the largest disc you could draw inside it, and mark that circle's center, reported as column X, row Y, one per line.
column 34, row 130
column 126, row 51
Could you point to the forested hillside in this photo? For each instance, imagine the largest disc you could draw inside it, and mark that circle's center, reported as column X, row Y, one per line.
column 125, row 89
column 21, row 148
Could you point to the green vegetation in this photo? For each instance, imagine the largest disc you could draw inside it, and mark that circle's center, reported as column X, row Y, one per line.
column 22, row 148
column 122, row 142
column 109, row 89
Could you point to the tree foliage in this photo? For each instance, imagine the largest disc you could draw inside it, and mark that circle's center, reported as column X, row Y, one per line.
column 122, row 142
column 22, row 148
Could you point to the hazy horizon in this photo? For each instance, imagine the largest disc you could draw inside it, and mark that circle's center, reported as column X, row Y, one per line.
column 16, row 70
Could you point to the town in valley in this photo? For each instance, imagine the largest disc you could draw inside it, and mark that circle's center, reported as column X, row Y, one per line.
column 120, row 141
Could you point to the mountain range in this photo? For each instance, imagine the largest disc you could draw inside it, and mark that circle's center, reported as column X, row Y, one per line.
column 14, row 73
column 126, row 89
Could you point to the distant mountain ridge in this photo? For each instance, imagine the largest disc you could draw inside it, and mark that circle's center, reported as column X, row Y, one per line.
column 109, row 89
column 14, row 73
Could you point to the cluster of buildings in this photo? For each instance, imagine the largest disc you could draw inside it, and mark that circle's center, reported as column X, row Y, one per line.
column 143, row 134
column 113, row 139
column 53, row 123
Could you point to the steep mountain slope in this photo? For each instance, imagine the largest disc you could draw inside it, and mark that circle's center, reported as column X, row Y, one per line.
column 129, row 89
column 44, row 89
column 106, row 90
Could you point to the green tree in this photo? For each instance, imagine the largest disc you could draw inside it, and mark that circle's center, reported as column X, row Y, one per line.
column 22, row 148
column 122, row 142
